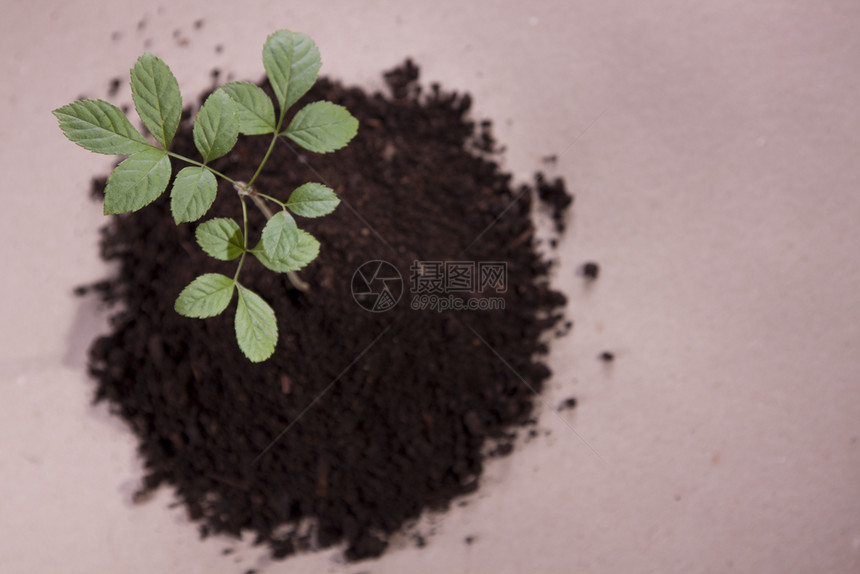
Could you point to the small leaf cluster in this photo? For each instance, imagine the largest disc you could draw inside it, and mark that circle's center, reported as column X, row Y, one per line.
column 292, row 63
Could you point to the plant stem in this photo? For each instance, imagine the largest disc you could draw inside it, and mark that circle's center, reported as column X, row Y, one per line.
column 197, row 163
column 294, row 278
column 261, row 205
column 269, row 151
column 270, row 198
column 244, row 223
column 244, row 189
column 244, row 238
column 265, row 157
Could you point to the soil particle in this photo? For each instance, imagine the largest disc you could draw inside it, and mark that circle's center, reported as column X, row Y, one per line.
column 555, row 196
column 113, row 88
column 591, row 270
column 567, row 404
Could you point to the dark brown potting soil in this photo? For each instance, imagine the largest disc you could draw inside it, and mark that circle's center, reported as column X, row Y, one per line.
column 361, row 420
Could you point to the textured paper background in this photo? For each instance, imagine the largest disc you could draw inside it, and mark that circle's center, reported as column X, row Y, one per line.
column 714, row 149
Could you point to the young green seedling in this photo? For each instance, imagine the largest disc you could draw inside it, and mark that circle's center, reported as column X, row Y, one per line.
column 292, row 63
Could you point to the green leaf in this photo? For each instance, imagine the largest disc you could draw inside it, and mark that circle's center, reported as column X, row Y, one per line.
column 256, row 326
column 206, row 296
column 216, row 126
column 101, row 127
column 194, row 190
column 313, row 200
column 256, row 112
column 137, row 181
column 322, row 127
column 280, row 235
column 221, row 238
column 292, row 63
column 306, row 250
column 156, row 96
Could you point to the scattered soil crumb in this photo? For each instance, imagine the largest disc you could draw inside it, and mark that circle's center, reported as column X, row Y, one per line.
column 555, row 196
column 113, row 88
column 568, row 403
column 591, row 270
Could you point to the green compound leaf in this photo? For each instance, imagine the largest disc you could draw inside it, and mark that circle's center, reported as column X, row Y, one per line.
column 306, row 250
column 280, row 235
column 156, row 96
column 137, row 181
column 256, row 326
column 313, row 200
column 206, row 296
column 216, row 126
column 221, row 238
column 292, row 63
column 101, row 127
column 322, row 127
column 193, row 193
column 256, row 112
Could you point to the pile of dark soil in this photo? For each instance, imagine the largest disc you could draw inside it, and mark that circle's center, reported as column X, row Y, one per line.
column 361, row 420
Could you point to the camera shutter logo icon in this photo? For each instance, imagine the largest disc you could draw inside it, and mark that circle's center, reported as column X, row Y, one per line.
column 377, row 286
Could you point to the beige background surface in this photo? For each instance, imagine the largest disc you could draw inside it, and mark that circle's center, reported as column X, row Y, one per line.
column 714, row 149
